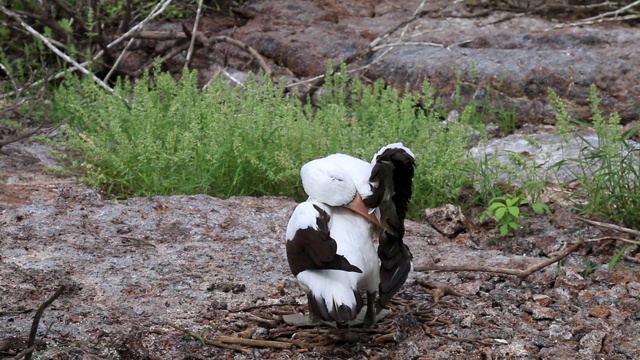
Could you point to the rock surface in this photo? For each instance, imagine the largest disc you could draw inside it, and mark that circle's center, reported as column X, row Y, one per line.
column 142, row 271
column 496, row 54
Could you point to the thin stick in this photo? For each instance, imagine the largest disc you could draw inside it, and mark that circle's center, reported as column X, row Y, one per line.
column 254, row 342
column 6, row 70
column 193, row 34
column 263, row 64
column 36, row 320
column 407, row 43
column 170, row 55
column 603, row 17
column 211, row 342
column 255, row 307
column 519, row 273
column 416, row 14
column 115, row 65
column 614, row 238
column 319, row 80
column 157, row 10
column 54, row 48
column 236, row 81
column 608, row 226
column 220, row 344
column 614, row 12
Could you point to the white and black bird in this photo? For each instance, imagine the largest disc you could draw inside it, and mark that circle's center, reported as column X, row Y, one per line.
column 330, row 237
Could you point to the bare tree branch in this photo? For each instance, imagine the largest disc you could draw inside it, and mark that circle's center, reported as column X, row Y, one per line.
column 115, row 64
column 607, row 16
column 193, row 38
column 519, row 273
column 608, row 226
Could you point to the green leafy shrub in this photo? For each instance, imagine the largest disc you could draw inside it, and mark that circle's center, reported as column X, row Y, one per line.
column 164, row 136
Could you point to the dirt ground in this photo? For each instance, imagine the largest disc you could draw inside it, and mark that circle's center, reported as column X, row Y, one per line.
column 174, row 277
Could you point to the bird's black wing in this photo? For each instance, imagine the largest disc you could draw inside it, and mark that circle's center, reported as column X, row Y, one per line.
column 392, row 186
column 311, row 247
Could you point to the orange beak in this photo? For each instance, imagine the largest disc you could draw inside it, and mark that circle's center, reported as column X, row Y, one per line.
column 358, row 206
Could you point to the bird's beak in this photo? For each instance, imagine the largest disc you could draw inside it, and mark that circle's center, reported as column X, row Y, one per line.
column 358, row 206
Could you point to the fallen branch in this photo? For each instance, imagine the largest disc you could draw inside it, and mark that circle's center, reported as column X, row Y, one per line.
column 210, row 342
column 373, row 46
column 115, row 64
column 254, row 342
column 36, row 321
column 515, row 272
column 439, row 291
column 255, row 307
column 220, row 344
column 608, row 226
column 614, row 238
column 208, row 41
column 607, row 16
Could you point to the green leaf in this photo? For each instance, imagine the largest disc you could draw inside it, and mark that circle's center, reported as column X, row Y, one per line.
column 66, row 25
column 515, row 211
column 482, row 217
column 500, row 212
column 504, row 229
column 513, row 201
column 540, row 208
column 513, row 225
column 496, row 205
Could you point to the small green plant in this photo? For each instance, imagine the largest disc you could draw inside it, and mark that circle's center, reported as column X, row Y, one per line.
column 506, row 210
column 614, row 260
column 200, row 336
column 589, row 268
column 607, row 169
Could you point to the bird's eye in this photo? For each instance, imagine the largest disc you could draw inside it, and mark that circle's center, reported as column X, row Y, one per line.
column 337, row 179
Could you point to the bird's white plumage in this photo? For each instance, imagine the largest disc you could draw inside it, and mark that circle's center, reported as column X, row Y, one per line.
column 335, row 179
column 304, row 216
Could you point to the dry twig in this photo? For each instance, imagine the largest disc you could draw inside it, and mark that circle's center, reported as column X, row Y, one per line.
column 115, row 64
column 519, row 273
column 36, row 322
column 607, row 16
column 608, row 226
column 193, row 38
column 253, row 342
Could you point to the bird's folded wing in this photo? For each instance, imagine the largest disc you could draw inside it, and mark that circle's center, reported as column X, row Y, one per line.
column 309, row 243
column 391, row 183
column 395, row 265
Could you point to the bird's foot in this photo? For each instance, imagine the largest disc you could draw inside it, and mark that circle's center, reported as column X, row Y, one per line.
column 306, row 321
column 363, row 318
column 369, row 317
